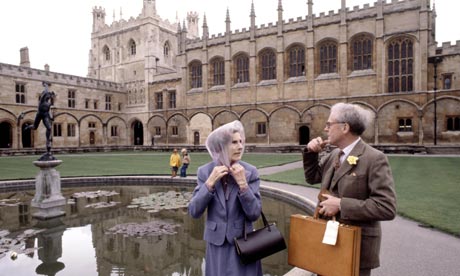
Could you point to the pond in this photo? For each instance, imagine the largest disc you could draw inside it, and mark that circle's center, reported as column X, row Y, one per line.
column 117, row 230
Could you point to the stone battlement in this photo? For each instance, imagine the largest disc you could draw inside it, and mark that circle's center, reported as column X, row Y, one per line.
column 300, row 22
column 133, row 22
column 54, row 77
column 448, row 49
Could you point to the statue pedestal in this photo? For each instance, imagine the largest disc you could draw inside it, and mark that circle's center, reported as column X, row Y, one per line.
column 48, row 199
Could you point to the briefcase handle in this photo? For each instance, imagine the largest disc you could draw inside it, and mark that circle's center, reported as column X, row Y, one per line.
column 245, row 235
column 320, row 199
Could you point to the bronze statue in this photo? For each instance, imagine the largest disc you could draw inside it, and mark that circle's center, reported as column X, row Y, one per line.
column 44, row 114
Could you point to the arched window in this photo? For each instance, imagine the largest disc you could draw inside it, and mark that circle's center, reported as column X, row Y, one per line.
column 328, row 57
column 400, row 65
column 296, row 63
column 361, row 52
column 106, row 52
column 166, row 49
column 241, row 65
column 447, row 83
column 453, row 123
column 132, row 47
column 218, row 71
column 405, row 124
column 267, row 61
column 195, row 74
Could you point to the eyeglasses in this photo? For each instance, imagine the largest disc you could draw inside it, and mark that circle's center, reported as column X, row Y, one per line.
column 329, row 124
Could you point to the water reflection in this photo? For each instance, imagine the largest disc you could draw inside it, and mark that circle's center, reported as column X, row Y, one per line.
column 81, row 244
column 50, row 246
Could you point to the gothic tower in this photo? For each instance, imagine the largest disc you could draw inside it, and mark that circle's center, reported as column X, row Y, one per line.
column 149, row 9
column 98, row 18
column 192, row 20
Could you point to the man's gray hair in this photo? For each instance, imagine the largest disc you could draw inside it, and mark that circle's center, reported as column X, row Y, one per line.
column 354, row 115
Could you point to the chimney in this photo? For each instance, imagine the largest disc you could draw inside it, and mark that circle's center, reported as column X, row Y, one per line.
column 47, row 67
column 25, row 62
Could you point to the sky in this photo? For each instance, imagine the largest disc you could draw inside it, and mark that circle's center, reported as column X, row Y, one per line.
column 58, row 32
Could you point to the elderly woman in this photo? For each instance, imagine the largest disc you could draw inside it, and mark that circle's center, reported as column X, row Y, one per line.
column 229, row 189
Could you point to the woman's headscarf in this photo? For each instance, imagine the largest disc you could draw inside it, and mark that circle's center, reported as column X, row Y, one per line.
column 220, row 139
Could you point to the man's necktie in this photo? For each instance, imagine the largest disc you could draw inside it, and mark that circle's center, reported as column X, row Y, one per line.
column 337, row 162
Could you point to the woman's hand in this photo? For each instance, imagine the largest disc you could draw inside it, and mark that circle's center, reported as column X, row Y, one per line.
column 238, row 173
column 217, row 173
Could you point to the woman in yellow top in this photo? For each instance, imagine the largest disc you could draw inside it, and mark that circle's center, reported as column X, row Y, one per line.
column 174, row 162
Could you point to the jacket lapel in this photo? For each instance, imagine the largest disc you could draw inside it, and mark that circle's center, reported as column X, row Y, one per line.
column 345, row 167
column 231, row 187
column 327, row 179
column 220, row 193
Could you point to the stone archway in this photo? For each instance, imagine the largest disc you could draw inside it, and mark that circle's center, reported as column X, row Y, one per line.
column 26, row 136
column 196, row 138
column 138, row 130
column 304, row 135
column 92, row 138
column 6, row 137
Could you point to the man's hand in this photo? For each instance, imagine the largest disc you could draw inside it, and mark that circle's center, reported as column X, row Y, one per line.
column 329, row 207
column 317, row 144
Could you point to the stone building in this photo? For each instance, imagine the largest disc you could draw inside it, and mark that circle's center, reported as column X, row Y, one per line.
column 151, row 81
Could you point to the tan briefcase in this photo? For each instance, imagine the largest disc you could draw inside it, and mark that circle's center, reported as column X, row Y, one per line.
column 307, row 251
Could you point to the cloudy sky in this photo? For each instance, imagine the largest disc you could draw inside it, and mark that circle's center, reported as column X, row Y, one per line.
column 58, row 32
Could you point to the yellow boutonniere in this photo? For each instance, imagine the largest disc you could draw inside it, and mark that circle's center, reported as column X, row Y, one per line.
column 352, row 160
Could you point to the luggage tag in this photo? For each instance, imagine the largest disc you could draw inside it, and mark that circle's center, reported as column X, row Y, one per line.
column 331, row 233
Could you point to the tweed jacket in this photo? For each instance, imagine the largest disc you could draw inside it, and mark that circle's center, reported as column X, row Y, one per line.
column 226, row 217
column 366, row 190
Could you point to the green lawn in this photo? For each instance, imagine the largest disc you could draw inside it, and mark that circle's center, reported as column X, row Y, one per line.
column 123, row 163
column 427, row 189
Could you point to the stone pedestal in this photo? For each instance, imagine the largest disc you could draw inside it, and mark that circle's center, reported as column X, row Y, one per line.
column 48, row 199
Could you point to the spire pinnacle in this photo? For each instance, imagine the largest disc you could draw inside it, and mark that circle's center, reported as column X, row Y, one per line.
column 227, row 18
column 205, row 23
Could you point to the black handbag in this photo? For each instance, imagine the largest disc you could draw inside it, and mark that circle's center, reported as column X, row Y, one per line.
column 259, row 243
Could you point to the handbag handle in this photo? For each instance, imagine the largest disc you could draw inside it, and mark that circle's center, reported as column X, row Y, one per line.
column 245, row 235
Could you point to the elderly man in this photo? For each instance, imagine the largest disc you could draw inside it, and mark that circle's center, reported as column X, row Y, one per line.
column 357, row 176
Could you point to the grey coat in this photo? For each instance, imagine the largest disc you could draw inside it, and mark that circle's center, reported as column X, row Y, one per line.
column 366, row 190
column 226, row 219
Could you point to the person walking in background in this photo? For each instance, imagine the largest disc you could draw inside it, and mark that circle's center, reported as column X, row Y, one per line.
column 228, row 189
column 185, row 162
column 357, row 176
column 174, row 162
